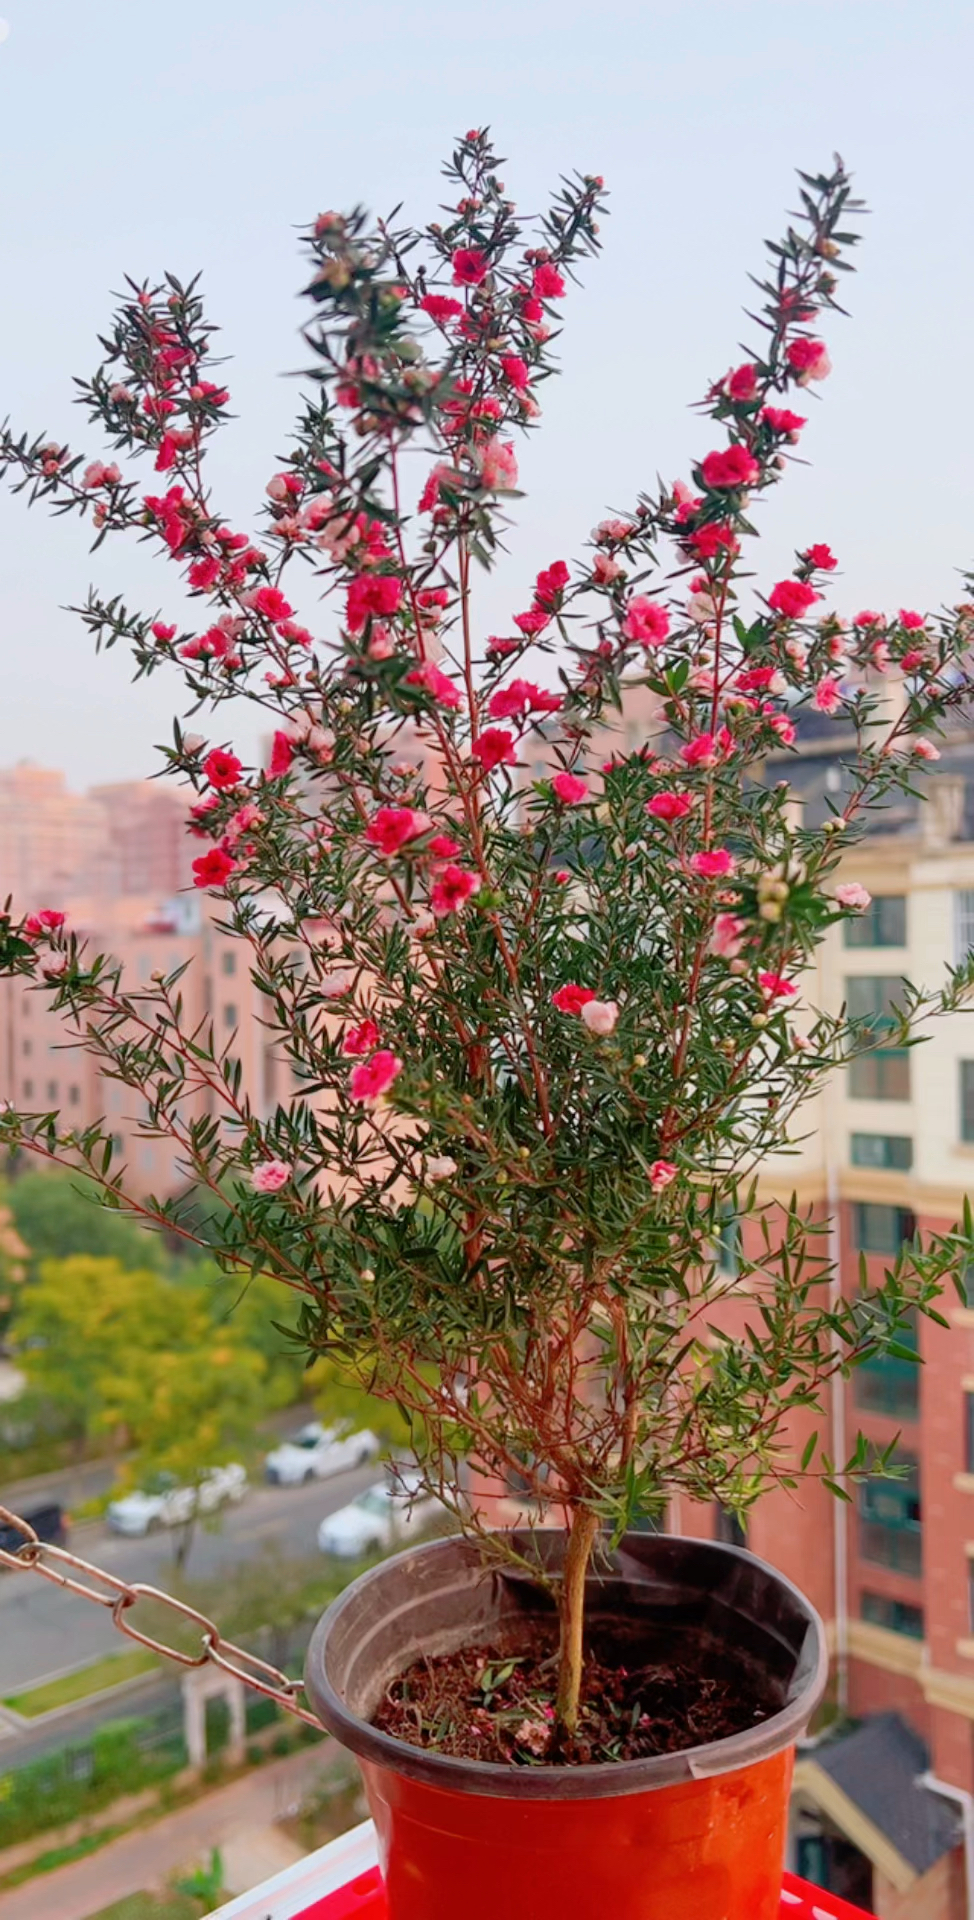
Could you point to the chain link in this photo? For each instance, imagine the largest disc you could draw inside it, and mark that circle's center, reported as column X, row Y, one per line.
column 51, row 1563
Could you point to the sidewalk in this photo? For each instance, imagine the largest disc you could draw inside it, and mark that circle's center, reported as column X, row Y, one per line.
column 146, row 1858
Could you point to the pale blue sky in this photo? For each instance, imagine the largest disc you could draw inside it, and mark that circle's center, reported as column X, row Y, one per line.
column 199, row 133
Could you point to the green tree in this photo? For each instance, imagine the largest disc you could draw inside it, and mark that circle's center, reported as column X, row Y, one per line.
column 62, row 1214
column 144, row 1359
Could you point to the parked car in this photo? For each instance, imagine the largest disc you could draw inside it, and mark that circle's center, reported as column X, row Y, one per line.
column 50, row 1523
column 316, row 1452
column 162, row 1502
column 382, row 1515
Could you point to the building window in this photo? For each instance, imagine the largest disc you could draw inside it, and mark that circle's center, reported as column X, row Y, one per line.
column 890, row 1525
column 963, row 924
column 874, row 997
column 967, row 1100
column 74, row 1095
column 26, row 1048
column 897, row 1616
column 230, row 1014
column 888, row 1383
column 893, row 1150
column 882, row 925
column 118, row 1143
column 881, row 1229
column 28, row 1089
column 881, row 1074
column 729, row 1529
column 52, row 1089
column 228, row 961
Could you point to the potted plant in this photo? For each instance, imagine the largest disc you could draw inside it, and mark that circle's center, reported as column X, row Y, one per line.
column 541, row 995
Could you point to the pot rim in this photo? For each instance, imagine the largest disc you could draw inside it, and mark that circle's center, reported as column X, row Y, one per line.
column 604, row 1780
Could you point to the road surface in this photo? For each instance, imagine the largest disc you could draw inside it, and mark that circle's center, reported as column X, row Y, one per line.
column 44, row 1630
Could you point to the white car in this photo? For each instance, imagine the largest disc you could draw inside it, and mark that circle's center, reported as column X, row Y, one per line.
column 380, row 1517
column 162, row 1502
column 316, row 1452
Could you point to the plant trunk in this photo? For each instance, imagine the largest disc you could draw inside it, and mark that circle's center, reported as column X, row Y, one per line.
column 581, row 1539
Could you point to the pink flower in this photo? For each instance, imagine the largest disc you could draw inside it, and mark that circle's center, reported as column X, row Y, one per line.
column 646, row 621
column 371, row 1079
column 784, row 728
column 713, row 866
column 571, row 998
column 791, row 598
column 361, row 1039
column 442, row 847
column 442, row 472
column 515, row 370
column 371, row 596
column 925, row 750
column 440, row 308
column 776, row 986
column 494, row 748
column 669, row 806
column 606, row 569
column 760, row 680
column 451, row 889
column 742, row 383
column 731, row 466
column 96, row 474
column 270, row 1176
column 470, row 266
column 391, row 827
column 569, row 788
column 282, row 754
column 868, row 618
column 437, row 684
column 548, row 282
column 701, row 752
column 600, row 1017
column 661, row 1174
column 534, row 621
column 498, row 465
column 222, row 769
column 204, row 574
column 270, row 603
column 808, row 359
column 46, row 922
column 821, row 557
column 853, row 895
column 550, row 584
column 782, row 420
column 162, row 632
column 519, row 698
column 912, row 621
column 727, row 938
column 212, row 868
column 827, row 695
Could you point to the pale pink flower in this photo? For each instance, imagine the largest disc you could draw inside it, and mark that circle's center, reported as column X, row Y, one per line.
column 439, row 1166
column 610, row 533
column 270, row 1176
column 925, row 750
column 727, row 937
column 701, row 609
column 600, row 1017
column 498, row 465
column 853, row 894
column 606, row 569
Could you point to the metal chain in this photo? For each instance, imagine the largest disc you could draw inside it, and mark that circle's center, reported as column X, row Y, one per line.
column 62, row 1567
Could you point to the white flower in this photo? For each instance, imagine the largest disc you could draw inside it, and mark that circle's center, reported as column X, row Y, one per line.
column 439, row 1166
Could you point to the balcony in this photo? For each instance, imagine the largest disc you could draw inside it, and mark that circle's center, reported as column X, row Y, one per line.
column 341, row 1882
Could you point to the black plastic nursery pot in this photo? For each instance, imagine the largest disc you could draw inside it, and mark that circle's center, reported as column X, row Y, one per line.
column 694, row 1835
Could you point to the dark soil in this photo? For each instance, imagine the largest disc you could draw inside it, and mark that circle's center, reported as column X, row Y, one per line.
column 496, row 1702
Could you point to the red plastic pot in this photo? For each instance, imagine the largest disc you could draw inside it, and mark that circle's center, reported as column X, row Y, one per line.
column 696, row 1835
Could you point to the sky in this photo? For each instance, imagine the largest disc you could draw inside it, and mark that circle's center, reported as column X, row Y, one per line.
column 199, row 135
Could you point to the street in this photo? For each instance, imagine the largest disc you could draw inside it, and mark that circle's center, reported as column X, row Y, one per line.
column 44, row 1630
